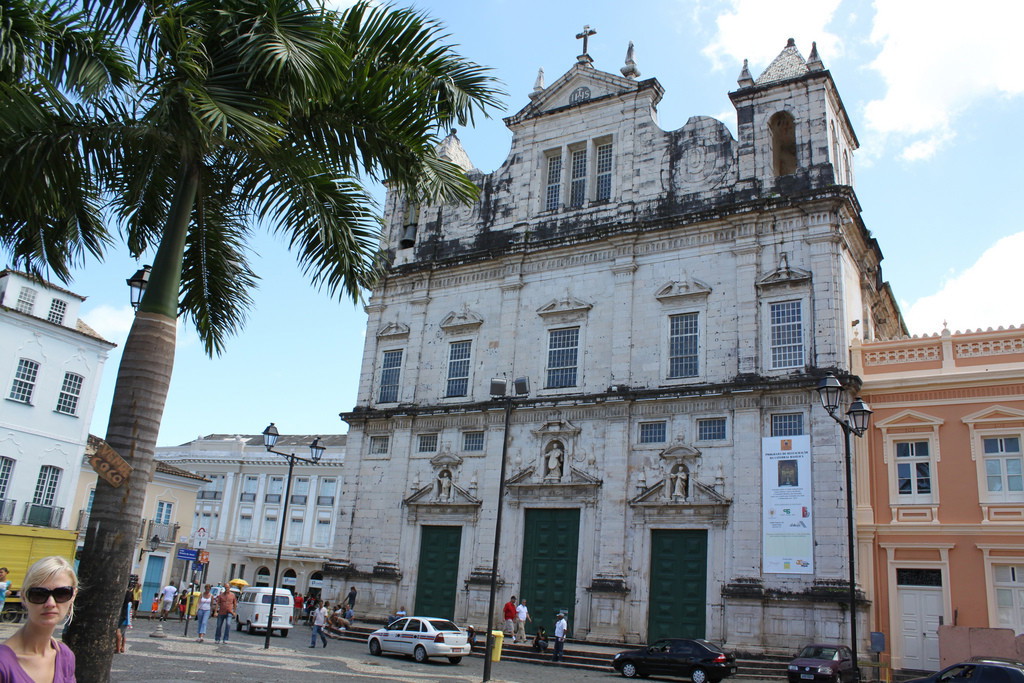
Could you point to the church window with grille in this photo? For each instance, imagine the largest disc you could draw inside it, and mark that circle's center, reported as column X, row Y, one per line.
column 390, row 376
column 458, row 368
column 603, row 187
column 563, row 347
column 787, row 334
column 682, row 345
column 553, row 196
column 578, row 184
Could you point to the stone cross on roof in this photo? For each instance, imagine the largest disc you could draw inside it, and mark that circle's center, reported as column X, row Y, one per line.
column 585, row 34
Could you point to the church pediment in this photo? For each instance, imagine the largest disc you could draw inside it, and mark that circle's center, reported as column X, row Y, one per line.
column 994, row 414
column 682, row 290
column 445, row 459
column 434, row 495
column 576, row 485
column 460, row 322
column 665, row 492
column 567, row 308
column 392, row 330
column 784, row 274
column 909, row 418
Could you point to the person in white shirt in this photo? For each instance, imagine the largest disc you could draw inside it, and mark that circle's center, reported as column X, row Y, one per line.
column 522, row 616
column 319, row 620
column 561, row 628
column 167, row 600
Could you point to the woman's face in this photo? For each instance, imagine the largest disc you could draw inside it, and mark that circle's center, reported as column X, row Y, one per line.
column 50, row 613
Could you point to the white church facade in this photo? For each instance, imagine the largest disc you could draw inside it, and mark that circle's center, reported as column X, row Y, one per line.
column 674, row 297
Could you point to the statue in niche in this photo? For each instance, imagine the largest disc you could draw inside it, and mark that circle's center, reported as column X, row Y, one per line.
column 554, row 461
column 680, row 480
column 444, row 486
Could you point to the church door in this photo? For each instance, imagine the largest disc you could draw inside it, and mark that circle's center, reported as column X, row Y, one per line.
column 550, row 547
column 678, row 589
column 437, row 576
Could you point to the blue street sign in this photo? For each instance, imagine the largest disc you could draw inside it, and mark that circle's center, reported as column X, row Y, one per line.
column 188, row 554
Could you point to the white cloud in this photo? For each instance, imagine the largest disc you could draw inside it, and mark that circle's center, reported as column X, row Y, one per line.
column 938, row 59
column 758, row 30
column 111, row 322
column 985, row 295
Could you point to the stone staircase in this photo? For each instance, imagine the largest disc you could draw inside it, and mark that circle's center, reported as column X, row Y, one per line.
column 590, row 656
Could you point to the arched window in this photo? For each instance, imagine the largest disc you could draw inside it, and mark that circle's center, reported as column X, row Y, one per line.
column 783, row 132
column 263, row 576
column 837, row 173
column 847, row 169
column 316, row 582
column 288, row 579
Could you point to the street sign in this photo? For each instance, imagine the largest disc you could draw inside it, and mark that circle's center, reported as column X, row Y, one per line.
column 201, row 537
column 188, row 554
column 204, row 557
column 109, row 464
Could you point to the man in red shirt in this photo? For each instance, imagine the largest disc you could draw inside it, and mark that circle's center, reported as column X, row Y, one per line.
column 509, row 614
column 226, row 604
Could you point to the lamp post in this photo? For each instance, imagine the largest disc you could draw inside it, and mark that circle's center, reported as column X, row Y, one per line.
column 830, row 391
column 138, row 283
column 499, row 392
column 149, row 546
column 316, row 451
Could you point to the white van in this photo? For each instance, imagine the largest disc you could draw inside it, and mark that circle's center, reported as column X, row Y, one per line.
column 254, row 609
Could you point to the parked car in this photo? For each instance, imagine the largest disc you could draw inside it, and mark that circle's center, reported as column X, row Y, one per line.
column 698, row 659
column 986, row 670
column 253, row 610
column 823, row 663
column 421, row 637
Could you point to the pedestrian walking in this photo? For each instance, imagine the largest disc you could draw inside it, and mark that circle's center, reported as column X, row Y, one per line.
column 32, row 654
column 227, row 603
column 508, row 613
column 522, row 616
column 297, row 604
column 136, row 598
column 124, row 623
column 561, row 629
column 319, row 621
column 167, row 600
column 203, row 612
column 351, row 599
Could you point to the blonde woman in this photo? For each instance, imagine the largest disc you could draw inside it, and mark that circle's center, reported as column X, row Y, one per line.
column 31, row 654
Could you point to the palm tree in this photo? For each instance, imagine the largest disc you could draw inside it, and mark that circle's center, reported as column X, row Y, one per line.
column 248, row 114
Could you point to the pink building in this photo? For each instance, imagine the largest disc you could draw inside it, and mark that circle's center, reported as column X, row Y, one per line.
column 940, row 487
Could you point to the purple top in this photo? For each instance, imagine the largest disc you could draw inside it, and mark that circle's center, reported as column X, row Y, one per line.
column 63, row 668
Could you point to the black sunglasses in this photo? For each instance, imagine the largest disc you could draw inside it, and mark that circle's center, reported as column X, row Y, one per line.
column 38, row 596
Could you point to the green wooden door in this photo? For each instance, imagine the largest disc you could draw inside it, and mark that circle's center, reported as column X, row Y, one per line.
column 550, row 547
column 677, row 604
column 437, row 576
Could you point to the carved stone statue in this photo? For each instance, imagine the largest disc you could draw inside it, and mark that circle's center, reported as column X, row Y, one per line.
column 680, row 482
column 444, row 486
column 555, row 461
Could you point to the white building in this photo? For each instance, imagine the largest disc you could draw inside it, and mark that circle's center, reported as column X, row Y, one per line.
column 50, row 368
column 674, row 298
column 241, row 507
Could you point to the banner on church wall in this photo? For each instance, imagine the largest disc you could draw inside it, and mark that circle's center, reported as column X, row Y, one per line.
column 787, row 536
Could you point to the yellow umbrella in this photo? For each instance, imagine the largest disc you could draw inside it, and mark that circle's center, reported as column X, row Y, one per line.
column 240, row 583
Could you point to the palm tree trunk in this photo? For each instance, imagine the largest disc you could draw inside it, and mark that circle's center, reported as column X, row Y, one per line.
column 143, row 380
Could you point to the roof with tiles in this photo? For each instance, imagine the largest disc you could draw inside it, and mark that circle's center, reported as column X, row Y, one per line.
column 789, row 64
column 327, row 440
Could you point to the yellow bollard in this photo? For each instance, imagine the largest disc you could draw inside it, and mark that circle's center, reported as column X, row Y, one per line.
column 498, row 637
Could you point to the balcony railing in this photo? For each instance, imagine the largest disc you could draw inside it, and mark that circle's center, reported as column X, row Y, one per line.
column 272, row 498
column 42, row 515
column 83, row 521
column 325, row 500
column 247, row 497
column 7, row 507
column 210, row 495
column 298, row 499
column 168, row 533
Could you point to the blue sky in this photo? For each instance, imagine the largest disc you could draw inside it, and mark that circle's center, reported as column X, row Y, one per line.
column 934, row 89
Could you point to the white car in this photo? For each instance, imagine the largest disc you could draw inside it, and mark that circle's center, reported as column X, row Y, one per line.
column 421, row 637
column 253, row 610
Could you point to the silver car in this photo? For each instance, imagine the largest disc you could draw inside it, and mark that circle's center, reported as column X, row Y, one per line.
column 421, row 637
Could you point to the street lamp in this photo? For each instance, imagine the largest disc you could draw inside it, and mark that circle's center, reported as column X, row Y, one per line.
column 316, row 451
column 138, row 283
column 499, row 392
column 830, row 391
column 149, row 546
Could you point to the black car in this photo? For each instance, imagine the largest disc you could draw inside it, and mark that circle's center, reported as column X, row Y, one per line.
column 823, row 663
column 983, row 671
column 699, row 660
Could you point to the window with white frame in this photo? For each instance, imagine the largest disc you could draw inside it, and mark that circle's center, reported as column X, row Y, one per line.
column 46, row 485
column 1004, row 478
column 682, row 345
column 322, row 533
column 458, row 368
column 578, row 178
column 603, row 186
column 164, row 511
column 379, row 445
column 427, row 443
column 913, row 471
column 24, row 380
column 563, row 349
column 26, row 300
column 58, row 309
column 553, row 186
column 653, row 432
column 212, row 490
column 275, row 488
column 269, row 533
column 6, row 467
column 325, row 494
column 1008, row 581
column 295, row 531
column 300, row 491
column 250, row 485
column 711, row 429
column 472, row 441
column 787, row 334
column 244, row 532
column 70, row 392
column 787, row 424
column 390, row 376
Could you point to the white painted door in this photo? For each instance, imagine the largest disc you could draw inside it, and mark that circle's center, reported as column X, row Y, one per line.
column 920, row 613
